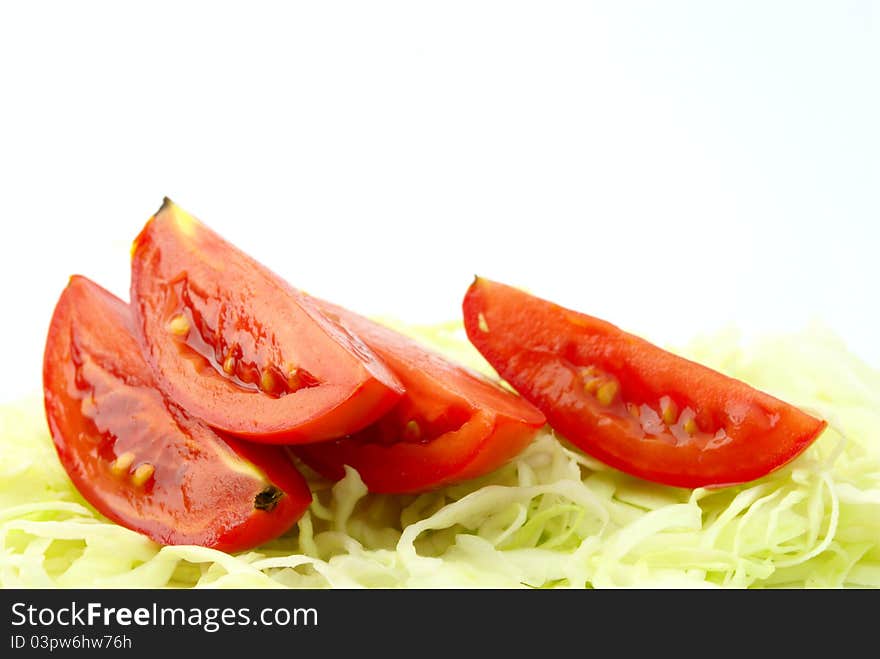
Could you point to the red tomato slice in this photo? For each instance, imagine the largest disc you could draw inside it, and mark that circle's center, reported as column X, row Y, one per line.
column 451, row 425
column 629, row 403
column 238, row 347
column 140, row 459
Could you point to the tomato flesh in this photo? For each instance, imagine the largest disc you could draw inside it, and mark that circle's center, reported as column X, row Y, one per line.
column 451, row 424
column 238, row 347
column 139, row 458
column 629, row 403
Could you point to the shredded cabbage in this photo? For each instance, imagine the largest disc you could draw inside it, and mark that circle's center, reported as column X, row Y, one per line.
column 552, row 518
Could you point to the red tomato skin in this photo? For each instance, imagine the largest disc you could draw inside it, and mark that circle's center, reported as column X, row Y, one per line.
column 538, row 347
column 252, row 313
column 101, row 404
column 492, row 427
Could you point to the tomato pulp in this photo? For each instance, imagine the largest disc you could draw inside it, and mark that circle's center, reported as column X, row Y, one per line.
column 238, row 347
column 139, row 458
column 451, row 424
column 629, row 403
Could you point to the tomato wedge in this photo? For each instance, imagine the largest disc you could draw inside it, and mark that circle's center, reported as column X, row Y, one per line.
column 629, row 403
column 451, row 425
column 140, row 459
column 238, row 347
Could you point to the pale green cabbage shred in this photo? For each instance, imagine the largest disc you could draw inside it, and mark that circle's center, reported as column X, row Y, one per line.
column 551, row 518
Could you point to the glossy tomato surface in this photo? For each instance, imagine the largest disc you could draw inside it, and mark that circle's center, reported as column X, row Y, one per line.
column 629, row 403
column 451, row 424
column 140, row 459
column 238, row 347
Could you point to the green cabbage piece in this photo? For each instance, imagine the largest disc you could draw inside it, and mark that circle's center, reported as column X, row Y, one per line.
column 553, row 517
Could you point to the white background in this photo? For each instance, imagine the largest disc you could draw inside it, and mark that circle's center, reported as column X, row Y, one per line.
column 672, row 167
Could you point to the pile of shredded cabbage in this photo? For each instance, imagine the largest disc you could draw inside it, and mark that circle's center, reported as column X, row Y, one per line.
column 551, row 518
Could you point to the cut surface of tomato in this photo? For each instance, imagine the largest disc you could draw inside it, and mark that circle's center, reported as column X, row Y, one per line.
column 451, row 424
column 238, row 347
column 140, row 459
column 629, row 403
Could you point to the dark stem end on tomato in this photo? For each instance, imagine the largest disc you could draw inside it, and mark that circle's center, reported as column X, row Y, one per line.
column 268, row 498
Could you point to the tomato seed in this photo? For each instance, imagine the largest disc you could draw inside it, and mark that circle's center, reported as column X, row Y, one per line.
column 669, row 410
column 607, row 392
column 122, row 463
column 687, row 421
column 87, row 406
column 592, row 385
column 142, row 474
column 482, row 324
column 588, row 372
column 412, row 432
column 178, row 325
column 267, row 381
column 294, row 378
